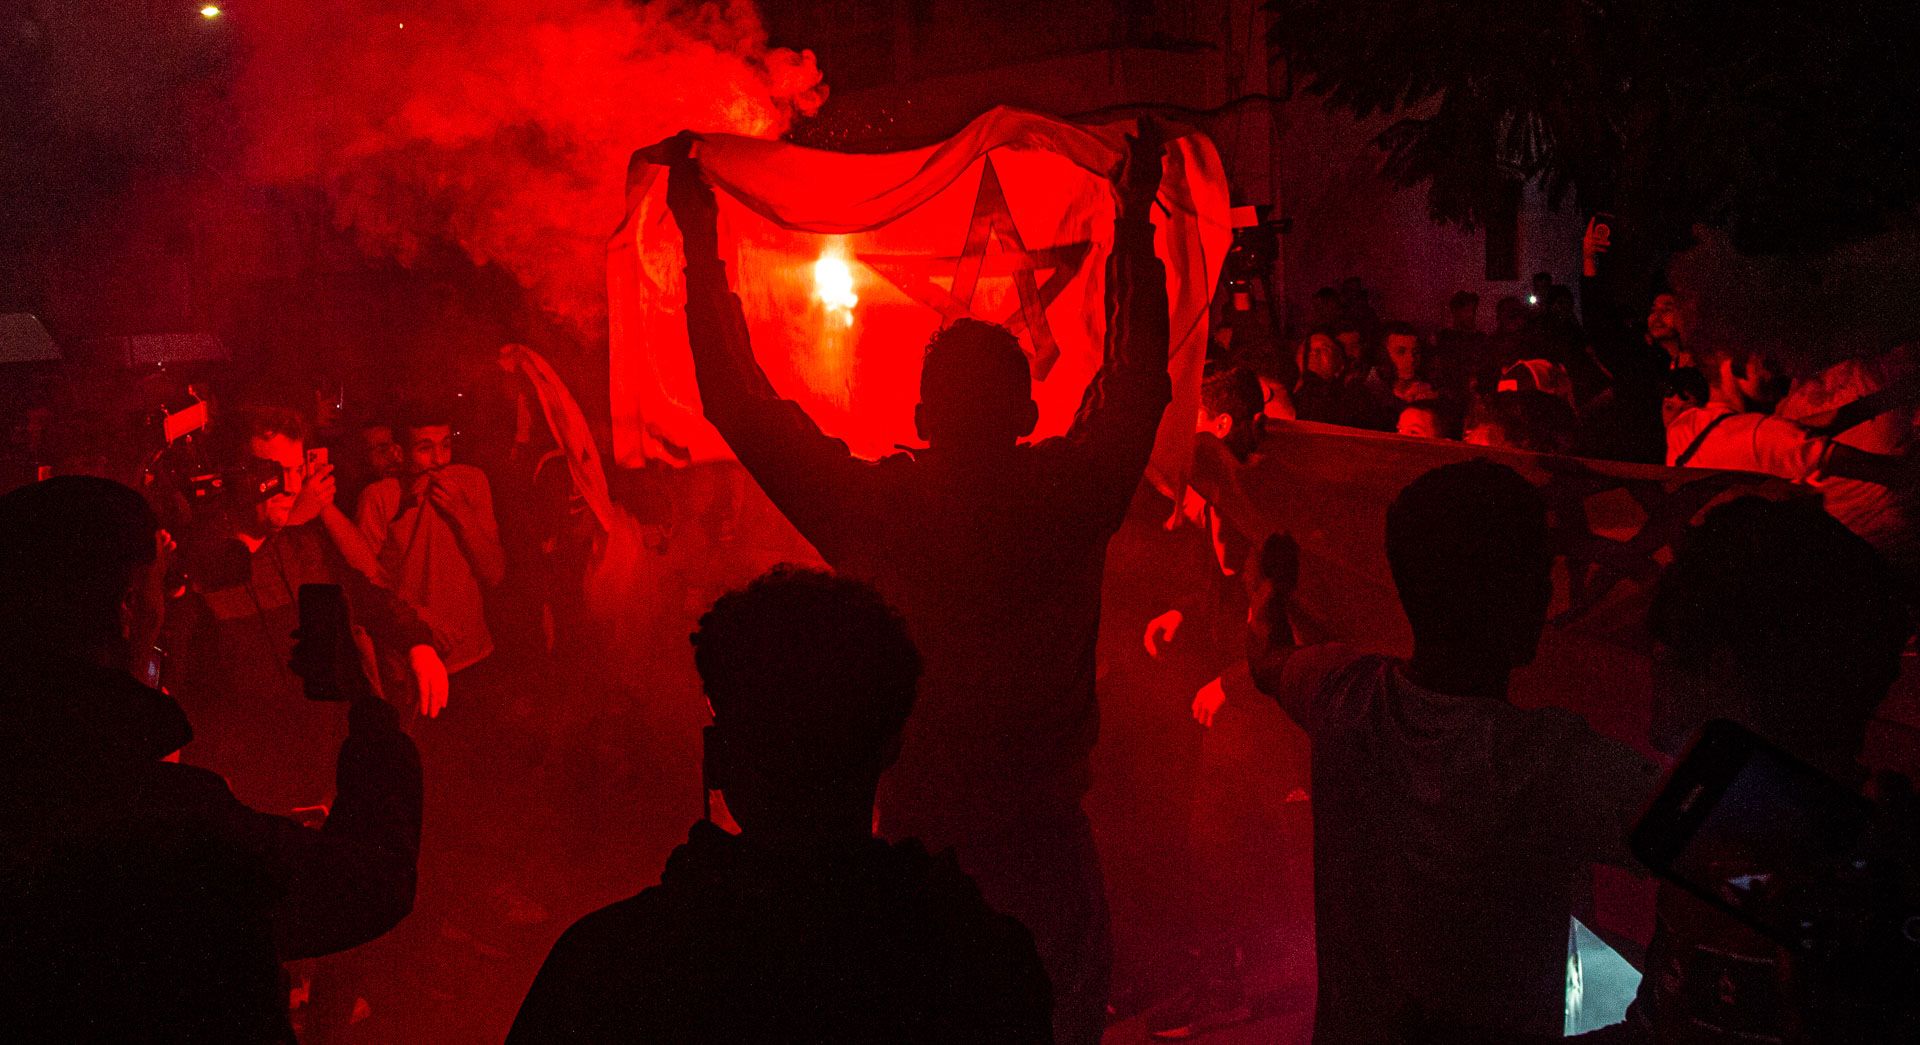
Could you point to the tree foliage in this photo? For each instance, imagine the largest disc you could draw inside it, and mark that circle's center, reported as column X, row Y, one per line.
column 1793, row 124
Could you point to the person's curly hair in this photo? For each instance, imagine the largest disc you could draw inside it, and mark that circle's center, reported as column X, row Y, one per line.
column 232, row 433
column 812, row 673
column 971, row 358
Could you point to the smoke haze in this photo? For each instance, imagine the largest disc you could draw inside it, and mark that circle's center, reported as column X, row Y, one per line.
column 502, row 126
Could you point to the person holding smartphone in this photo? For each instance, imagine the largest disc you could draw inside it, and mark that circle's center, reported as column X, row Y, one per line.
column 140, row 900
column 230, row 637
column 1777, row 617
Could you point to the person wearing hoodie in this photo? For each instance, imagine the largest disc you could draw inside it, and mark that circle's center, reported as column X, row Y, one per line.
column 139, row 899
column 803, row 927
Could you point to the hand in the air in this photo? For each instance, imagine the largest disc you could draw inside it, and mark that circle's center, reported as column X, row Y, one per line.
column 1595, row 241
column 690, row 197
column 429, row 680
column 1138, row 180
column 316, row 494
column 1208, row 702
column 1162, row 629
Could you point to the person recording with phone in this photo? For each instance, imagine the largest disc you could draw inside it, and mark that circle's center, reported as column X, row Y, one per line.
column 141, row 899
column 273, row 529
column 1774, row 616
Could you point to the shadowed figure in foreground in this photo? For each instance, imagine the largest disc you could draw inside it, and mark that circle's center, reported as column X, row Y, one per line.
column 994, row 550
column 803, row 927
column 139, row 899
column 1450, row 828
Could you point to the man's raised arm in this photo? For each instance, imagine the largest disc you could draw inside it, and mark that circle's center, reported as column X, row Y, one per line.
column 1120, row 412
column 803, row 470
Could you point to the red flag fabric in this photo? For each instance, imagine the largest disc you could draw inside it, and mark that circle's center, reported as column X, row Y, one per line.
column 845, row 264
column 1616, row 527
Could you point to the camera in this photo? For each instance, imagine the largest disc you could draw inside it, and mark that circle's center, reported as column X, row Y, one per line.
column 247, row 484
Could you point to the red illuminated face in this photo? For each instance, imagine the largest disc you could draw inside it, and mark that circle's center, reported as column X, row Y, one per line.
column 1663, row 318
column 429, row 448
column 1404, row 351
column 1324, row 357
column 1419, row 423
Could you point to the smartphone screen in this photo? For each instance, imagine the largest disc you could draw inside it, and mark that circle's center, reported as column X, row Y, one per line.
column 316, row 457
column 1761, row 835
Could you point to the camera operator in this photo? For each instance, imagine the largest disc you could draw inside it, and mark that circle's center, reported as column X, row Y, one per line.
column 274, row 529
column 139, row 899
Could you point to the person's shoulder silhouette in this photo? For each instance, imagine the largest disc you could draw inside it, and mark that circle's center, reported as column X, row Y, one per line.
column 124, row 907
column 803, row 927
column 139, row 899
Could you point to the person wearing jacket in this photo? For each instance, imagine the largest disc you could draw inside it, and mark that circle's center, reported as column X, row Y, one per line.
column 803, row 927
column 139, row 899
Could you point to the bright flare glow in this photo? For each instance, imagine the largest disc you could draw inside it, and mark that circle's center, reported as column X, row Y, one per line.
column 833, row 284
column 210, row 11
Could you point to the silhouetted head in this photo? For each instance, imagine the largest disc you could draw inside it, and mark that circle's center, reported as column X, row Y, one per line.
column 976, row 388
column 265, row 440
column 1325, row 307
column 1463, row 310
column 1775, row 615
column 1467, row 544
column 1559, row 303
column 83, row 564
column 1509, row 315
column 810, row 677
column 1685, row 387
column 1231, row 402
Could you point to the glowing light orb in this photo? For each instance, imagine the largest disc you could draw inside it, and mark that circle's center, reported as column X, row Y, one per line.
column 833, row 284
column 210, row 11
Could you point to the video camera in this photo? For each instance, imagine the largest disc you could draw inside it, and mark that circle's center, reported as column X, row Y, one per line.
column 246, row 484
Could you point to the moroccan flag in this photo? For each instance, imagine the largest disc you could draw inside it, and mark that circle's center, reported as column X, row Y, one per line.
column 845, row 264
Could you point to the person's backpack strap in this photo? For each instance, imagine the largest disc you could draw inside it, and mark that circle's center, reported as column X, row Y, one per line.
column 1698, row 440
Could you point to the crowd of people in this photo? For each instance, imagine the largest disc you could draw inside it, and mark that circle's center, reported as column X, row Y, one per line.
column 895, row 845
column 1541, row 380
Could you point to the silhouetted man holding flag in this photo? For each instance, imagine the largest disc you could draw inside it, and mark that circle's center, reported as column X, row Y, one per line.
column 994, row 551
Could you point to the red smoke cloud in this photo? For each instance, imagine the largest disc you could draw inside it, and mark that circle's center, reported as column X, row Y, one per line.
column 503, row 126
